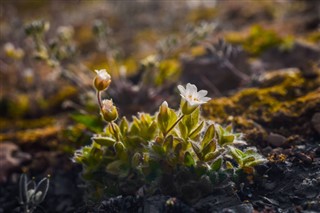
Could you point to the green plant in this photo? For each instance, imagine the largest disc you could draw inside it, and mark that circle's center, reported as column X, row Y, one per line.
column 31, row 193
column 173, row 151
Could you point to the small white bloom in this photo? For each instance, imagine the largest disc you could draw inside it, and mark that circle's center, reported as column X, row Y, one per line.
column 103, row 74
column 107, row 105
column 192, row 96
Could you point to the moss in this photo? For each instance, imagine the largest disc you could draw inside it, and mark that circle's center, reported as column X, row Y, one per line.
column 7, row 124
column 31, row 135
column 259, row 39
column 18, row 106
column 314, row 36
column 55, row 100
column 202, row 14
column 285, row 100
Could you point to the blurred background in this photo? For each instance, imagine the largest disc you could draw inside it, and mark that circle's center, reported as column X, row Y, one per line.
column 50, row 49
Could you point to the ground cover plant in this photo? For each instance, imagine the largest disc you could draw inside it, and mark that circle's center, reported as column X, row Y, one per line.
column 162, row 150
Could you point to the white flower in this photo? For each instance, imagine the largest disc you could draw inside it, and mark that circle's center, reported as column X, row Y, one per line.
column 103, row 74
column 192, row 96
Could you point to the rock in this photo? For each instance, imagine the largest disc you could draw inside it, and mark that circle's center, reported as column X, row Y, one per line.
column 11, row 158
column 301, row 56
column 245, row 208
column 276, row 140
column 316, row 122
column 216, row 74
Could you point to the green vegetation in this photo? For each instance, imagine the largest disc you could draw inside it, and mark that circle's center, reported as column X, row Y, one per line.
column 155, row 150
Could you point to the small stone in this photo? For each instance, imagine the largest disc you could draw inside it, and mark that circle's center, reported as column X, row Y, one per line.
column 316, row 122
column 276, row 140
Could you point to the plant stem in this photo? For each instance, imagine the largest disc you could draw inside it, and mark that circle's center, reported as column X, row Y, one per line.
column 175, row 123
column 99, row 99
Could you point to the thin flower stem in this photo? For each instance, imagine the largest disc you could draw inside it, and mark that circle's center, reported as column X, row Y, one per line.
column 99, row 99
column 175, row 123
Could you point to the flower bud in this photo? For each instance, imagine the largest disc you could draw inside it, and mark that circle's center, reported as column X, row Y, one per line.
column 108, row 111
column 102, row 80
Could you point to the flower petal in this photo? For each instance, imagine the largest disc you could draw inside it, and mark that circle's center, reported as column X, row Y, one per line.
column 182, row 90
column 202, row 93
column 205, row 99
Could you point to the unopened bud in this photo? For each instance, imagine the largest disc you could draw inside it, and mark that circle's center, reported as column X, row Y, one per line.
column 102, row 80
column 108, row 111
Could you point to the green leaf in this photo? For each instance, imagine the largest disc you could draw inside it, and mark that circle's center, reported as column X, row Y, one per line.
column 166, row 118
column 183, row 130
column 124, row 126
column 104, row 141
column 229, row 165
column 229, row 128
column 210, row 147
column 211, row 156
column 116, row 167
column 236, row 154
column 188, row 159
column 248, row 159
column 195, row 133
column 196, row 149
column 93, row 123
column 208, row 136
column 227, row 139
column 216, row 165
column 168, row 143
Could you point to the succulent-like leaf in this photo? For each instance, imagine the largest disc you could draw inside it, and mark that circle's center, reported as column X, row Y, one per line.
column 104, row 140
column 210, row 147
column 208, row 136
column 227, row 139
column 188, row 159
column 211, row 156
column 236, row 154
column 216, row 165
column 116, row 168
column 248, row 159
column 229, row 165
column 168, row 143
column 136, row 159
column 166, row 118
column 23, row 188
column 195, row 133
column 41, row 190
column 229, row 128
column 183, row 131
column 124, row 126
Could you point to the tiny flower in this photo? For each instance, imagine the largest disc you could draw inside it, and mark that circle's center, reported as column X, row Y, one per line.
column 102, row 80
column 109, row 111
column 191, row 98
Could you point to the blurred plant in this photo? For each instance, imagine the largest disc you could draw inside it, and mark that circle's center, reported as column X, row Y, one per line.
column 31, row 193
column 13, row 52
column 224, row 53
column 157, row 149
column 260, row 39
column 58, row 49
column 172, row 45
